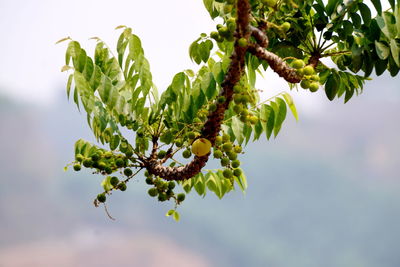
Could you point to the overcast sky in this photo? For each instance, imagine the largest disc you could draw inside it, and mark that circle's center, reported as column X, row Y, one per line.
column 31, row 62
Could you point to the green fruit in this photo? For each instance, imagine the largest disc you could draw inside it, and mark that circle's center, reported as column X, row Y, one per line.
column 171, row 185
column 245, row 99
column 79, row 157
column 231, row 24
column 186, row 154
column 149, row 180
column 221, row 99
column 101, row 198
column 253, row 119
column 237, row 89
column 95, row 157
column 224, row 31
column 237, row 149
column 227, row 173
column 237, row 98
column 153, row 192
column 235, row 163
column 237, row 109
column 231, row 2
column 161, row 154
column 224, row 161
column 128, row 172
column 227, row 147
column 237, row 172
column 102, row 165
column 108, row 170
column 243, row 118
column 180, row 197
column 285, row 26
column 231, row 155
column 305, row 84
column 217, row 154
column 191, row 135
column 179, row 142
column 298, row 64
column 218, row 140
column 119, row 162
column 147, row 174
column 114, row 181
column 108, row 155
column 308, row 70
column 315, row 78
column 242, row 42
column 122, row 186
column 314, row 86
column 226, row 137
column 214, row 35
column 162, row 197
column 87, row 163
column 77, row 167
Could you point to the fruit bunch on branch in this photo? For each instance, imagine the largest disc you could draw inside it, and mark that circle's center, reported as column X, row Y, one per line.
column 215, row 111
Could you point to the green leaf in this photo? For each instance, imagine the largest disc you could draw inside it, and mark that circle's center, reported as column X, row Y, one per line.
column 394, row 49
column 242, row 182
column 280, row 110
column 331, row 87
column 377, row 5
column 178, row 83
column 200, row 184
column 382, row 50
column 176, row 216
column 267, row 116
column 70, row 77
column 289, row 101
column 365, row 13
column 169, row 213
column 237, row 128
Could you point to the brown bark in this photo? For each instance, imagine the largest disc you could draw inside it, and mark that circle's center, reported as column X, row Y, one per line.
column 212, row 126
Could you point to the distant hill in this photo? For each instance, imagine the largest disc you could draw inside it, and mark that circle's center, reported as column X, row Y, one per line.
column 325, row 192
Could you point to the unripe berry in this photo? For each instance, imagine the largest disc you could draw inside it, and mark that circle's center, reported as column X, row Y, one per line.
column 171, row 185
column 235, row 163
column 180, row 197
column 79, row 157
column 114, row 181
column 308, row 70
column 285, row 26
column 218, row 154
column 186, row 154
column 231, row 155
column 77, row 167
column 128, row 172
column 161, row 154
column 218, row 140
column 227, row 147
column 242, row 42
column 314, row 86
column 237, row 172
column 101, row 198
column 122, row 186
column 227, row 173
column 224, row 161
column 298, row 64
column 153, row 192
column 305, row 84
column 237, row 149
column 149, row 180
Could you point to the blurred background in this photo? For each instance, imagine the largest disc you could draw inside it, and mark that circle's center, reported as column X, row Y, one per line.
column 325, row 192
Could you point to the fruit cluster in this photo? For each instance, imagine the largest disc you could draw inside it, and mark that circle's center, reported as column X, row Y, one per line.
column 104, row 162
column 163, row 190
column 224, row 32
column 310, row 80
column 227, row 153
column 242, row 97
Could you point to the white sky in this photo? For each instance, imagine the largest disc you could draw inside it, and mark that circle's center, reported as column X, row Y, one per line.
column 31, row 62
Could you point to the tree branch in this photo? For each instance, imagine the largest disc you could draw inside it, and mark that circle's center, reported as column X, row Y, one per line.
column 276, row 63
column 212, row 126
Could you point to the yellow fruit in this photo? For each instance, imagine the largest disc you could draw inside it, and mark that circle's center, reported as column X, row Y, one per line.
column 201, row 147
column 270, row 3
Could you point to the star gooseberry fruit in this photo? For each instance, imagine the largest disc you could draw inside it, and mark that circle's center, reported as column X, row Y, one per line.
column 201, row 147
